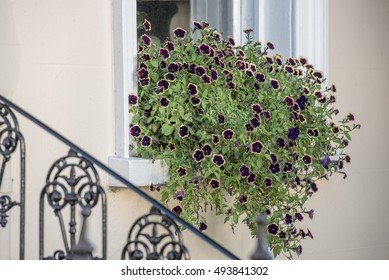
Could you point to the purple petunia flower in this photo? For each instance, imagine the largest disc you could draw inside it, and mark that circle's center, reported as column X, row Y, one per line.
column 267, row 115
column 270, row 45
column 146, row 39
column 301, row 118
column 274, row 168
column 249, row 73
column 310, row 132
column 240, row 64
column 207, row 149
column 146, row 57
column 164, row 84
column 198, row 155
column 273, row 158
column 291, row 61
column 197, row 25
column 206, row 79
column 164, row 102
column 269, row 59
column 332, row 99
column 183, row 131
column 205, row 24
column 326, row 161
column 177, row 209
column 293, row 133
column 180, row 195
column 204, row 49
column 135, row 131
column 143, row 73
column 231, row 85
column 256, row 86
column 179, row 32
column 181, row 171
column 288, row 167
column 257, row 108
column 215, row 139
column 132, row 99
column 318, row 74
column 169, row 45
column 298, row 216
column 305, row 90
column 143, row 65
column 251, row 178
column 289, row 101
column 171, row 146
column 203, row 226
column 307, row 159
column 215, row 184
column 272, row 229
column 199, row 70
column 218, row 160
column 303, row 60
column 228, row 134
column 162, row 64
column 288, row 219
column 217, row 36
column 146, row 25
column 164, row 53
column 169, row 76
column 248, row 127
column 220, row 119
column 192, row 89
column 146, row 141
column 243, row 199
column 173, row 67
column 275, row 84
column 256, row 147
column 314, row 187
column 144, row 82
column 351, row 117
column 255, row 122
column 244, row 170
column 214, row 75
column 268, row 182
column 280, row 142
column 302, row 102
column 289, row 69
column 195, row 100
column 318, row 94
column 231, row 41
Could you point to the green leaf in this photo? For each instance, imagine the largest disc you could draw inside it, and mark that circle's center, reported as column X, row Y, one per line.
column 235, row 218
column 167, row 129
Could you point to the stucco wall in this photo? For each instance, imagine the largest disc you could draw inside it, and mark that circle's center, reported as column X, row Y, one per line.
column 56, row 62
column 351, row 220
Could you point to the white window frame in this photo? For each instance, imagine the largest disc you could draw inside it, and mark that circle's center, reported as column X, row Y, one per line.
column 298, row 26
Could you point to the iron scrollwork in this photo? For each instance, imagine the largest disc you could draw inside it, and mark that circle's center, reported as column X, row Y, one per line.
column 10, row 139
column 155, row 236
column 73, row 183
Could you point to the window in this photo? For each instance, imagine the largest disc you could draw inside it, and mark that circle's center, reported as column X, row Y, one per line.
column 297, row 27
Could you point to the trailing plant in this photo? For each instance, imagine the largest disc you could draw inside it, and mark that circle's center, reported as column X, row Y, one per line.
column 243, row 130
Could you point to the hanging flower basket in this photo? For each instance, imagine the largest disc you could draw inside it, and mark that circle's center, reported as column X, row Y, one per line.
column 243, row 130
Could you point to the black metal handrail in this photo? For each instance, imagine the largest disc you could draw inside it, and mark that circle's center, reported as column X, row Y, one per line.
column 118, row 177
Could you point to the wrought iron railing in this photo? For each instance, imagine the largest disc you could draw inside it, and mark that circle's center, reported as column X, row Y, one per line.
column 73, row 183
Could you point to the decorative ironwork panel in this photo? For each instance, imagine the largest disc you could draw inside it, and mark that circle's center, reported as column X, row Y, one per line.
column 10, row 139
column 73, row 184
column 155, row 236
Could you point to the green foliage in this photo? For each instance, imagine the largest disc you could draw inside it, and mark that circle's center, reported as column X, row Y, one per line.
column 243, row 131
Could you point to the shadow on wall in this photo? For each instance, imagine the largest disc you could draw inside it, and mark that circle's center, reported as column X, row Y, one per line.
column 9, row 50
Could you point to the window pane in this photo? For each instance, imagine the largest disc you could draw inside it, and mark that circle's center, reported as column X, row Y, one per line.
column 164, row 16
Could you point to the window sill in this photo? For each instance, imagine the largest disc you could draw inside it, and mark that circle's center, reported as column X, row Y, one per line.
column 139, row 171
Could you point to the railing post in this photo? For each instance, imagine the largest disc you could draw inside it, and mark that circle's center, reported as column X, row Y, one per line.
column 262, row 250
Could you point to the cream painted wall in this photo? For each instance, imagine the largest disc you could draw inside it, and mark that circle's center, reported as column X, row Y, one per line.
column 56, row 62
column 351, row 216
